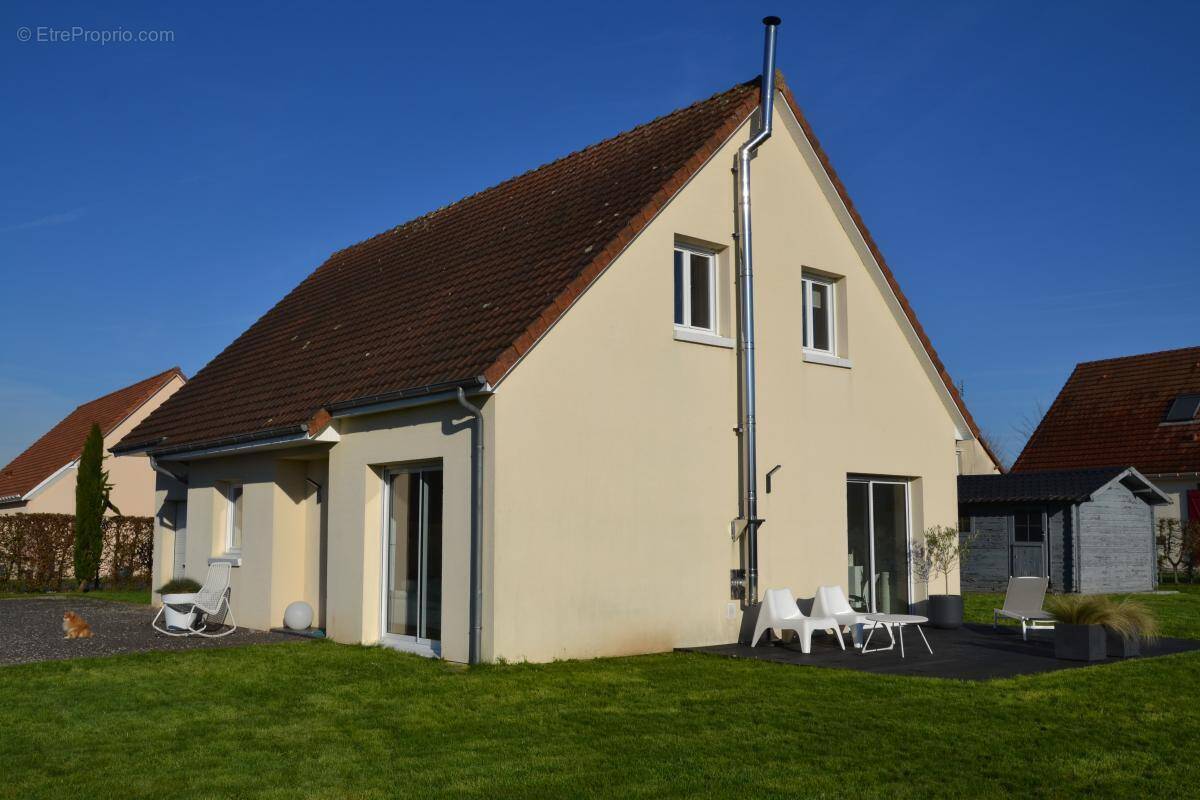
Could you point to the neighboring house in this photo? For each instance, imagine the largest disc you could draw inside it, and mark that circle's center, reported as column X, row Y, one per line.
column 588, row 309
column 1141, row 410
column 1089, row 530
column 42, row 479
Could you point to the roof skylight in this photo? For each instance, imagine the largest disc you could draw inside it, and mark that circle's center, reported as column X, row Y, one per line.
column 1184, row 408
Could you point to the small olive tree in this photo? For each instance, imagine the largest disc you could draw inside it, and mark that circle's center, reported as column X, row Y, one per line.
column 942, row 550
column 1172, row 549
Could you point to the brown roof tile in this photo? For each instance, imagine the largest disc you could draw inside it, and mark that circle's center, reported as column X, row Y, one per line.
column 1112, row 411
column 63, row 443
column 462, row 293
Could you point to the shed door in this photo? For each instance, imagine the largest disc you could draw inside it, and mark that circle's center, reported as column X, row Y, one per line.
column 1028, row 558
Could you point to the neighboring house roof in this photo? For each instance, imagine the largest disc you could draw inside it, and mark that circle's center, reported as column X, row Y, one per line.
column 62, row 444
column 1069, row 486
column 1113, row 412
column 458, row 296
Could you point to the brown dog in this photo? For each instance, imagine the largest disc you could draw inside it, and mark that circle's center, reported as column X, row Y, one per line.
column 74, row 627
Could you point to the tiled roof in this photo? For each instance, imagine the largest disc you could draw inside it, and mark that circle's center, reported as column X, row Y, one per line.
column 459, row 295
column 1112, row 411
column 1060, row 485
column 63, row 443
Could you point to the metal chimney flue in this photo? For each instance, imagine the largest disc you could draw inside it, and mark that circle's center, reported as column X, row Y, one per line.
column 748, row 455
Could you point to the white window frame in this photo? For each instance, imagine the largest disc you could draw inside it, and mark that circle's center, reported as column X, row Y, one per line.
column 230, row 509
column 687, row 289
column 806, row 284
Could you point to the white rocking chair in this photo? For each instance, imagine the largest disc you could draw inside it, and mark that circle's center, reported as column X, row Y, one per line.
column 211, row 601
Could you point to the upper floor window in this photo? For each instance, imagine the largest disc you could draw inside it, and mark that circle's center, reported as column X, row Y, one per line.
column 233, row 519
column 820, row 315
column 1185, row 408
column 695, row 289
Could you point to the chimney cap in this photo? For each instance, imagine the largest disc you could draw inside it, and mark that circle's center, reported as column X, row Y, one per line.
column 772, row 21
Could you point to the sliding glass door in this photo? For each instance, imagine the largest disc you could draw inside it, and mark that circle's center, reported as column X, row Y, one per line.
column 412, row 603
column 878, row 545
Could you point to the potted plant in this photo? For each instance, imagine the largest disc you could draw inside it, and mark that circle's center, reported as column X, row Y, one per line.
column 178, row 595
column 943, row 549
column 1089, row 627
column 1131, row 623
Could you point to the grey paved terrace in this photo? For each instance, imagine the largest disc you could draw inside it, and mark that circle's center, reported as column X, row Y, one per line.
column 973, row 652
column 31, row 630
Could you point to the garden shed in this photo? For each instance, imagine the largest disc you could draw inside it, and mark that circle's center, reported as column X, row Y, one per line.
column 1088, row 530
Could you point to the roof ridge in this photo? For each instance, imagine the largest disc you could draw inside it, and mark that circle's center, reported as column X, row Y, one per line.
column 173, row 370
column 1151, row 354
column 546, row 165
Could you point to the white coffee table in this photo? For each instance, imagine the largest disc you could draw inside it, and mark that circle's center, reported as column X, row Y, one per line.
column 897, row 621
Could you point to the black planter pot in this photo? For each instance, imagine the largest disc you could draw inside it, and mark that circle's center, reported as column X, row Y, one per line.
column 946, row 611
column 1119, row 646
column 1080, row 642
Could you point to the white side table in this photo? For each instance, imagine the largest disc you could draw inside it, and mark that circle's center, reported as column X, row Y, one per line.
column 896, row 621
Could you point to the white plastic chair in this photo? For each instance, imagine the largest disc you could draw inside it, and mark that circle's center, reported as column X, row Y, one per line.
column 212, row 597
column 1023, row 601
column 780, row 613
column 831, row 602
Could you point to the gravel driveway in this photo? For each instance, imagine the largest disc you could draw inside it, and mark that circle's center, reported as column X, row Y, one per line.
column 31, row 630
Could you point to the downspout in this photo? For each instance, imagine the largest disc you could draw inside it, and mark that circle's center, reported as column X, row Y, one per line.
column 474, row 656
column 161, row 470
column 745, row 285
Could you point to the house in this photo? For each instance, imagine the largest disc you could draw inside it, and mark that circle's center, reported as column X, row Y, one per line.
column 1087, row 530
column 42, row 479
column 1142, row 410
column 510, row 428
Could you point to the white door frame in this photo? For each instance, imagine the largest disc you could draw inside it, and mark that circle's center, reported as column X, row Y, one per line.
column 430, row 648
column 869, row 481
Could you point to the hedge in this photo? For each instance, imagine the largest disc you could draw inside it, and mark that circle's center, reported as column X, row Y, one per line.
column 36, row 551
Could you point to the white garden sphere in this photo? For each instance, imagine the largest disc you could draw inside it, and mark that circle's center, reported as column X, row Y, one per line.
column 298, row 616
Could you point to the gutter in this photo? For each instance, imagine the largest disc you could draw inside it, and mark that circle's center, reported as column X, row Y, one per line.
column 406, row 398
column 159, row 449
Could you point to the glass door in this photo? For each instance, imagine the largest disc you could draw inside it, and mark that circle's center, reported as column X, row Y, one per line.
column 878, row 545
column 412, row 603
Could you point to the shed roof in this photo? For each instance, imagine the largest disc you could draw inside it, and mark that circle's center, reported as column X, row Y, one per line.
column 1066, row 486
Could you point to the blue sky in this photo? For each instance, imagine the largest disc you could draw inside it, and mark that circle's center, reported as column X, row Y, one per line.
column 1028, row 168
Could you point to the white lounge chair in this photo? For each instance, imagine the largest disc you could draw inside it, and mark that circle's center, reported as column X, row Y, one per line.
column 211, row 601
column 1023, row 602
column 779, row 612
column 831, row 602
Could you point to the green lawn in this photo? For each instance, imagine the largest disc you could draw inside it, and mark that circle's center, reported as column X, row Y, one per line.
column 327, row 720
column 119, row 595
column 1178, row 614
